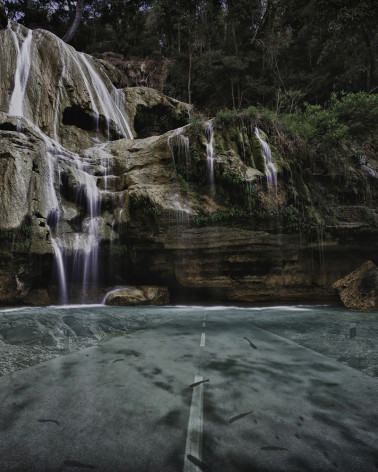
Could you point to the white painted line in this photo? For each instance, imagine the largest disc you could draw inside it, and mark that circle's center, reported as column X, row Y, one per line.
column 195, row 427
column 203, row 340
column 203, row 324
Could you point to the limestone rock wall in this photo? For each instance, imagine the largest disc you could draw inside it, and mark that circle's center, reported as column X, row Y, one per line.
column 65, row 90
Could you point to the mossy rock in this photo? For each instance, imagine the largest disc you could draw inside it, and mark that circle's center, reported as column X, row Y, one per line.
column 257, row 152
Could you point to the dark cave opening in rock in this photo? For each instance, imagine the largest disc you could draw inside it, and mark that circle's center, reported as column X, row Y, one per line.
column 76, row 116
column 7, row 126
column 157, row 120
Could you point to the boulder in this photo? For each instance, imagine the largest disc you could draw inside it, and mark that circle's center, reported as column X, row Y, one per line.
column 359, row 289
column 141, row 295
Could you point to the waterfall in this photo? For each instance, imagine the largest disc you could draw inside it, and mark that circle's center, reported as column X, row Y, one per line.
column 16, row 104
column 270, row 167
column 209, row 131
column 109, row 103
column 179, row 145
column 61, row 271
column 76, row 250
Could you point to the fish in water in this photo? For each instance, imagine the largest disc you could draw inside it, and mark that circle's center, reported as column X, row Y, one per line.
column 198, row 463
column 199, row 383
column 239, row 417
column 251, row 343
column 49, row 421
column 117, row 360
column 69, row 463
column 273, row 448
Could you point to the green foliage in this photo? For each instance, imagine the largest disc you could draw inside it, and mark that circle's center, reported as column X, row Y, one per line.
column 358, row 110
column 7, row 235
column 197, row 122
column 118, row 249
column 204, row 219
column 332, row 134
column 26, row 228
column 225, row 118
column 145, row 204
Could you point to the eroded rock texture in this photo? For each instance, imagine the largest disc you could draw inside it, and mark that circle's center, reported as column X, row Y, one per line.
column 359, row 289
column 142, row 295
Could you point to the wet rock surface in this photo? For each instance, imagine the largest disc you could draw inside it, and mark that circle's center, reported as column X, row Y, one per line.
column 359, row 289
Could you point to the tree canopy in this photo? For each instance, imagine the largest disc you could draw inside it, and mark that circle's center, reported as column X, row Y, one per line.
column 278, row 53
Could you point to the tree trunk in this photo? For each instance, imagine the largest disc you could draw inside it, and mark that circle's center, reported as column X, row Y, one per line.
column 232, row 93
column 76, row 22
column 234, row 38
column 190, row 78
column 3, row 16
column 370, row 69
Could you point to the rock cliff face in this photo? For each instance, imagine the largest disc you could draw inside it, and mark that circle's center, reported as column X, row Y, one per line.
column 139, row 72
column 205, row 209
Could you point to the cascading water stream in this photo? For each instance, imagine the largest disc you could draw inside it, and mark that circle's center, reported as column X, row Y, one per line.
column 270, row 168
column 16, row 104
column 209, row 131
column 179, row 145
column 61, row 271
column 107, row 102
column 81, row 247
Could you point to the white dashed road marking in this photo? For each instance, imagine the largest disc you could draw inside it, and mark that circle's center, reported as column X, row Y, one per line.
column 195, row 427
column 203, row 337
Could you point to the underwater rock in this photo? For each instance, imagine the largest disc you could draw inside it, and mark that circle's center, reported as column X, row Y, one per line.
column 359, row 289
column 141, row 295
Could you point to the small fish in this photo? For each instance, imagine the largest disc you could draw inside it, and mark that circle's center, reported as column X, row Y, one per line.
column 69, row 463
column 198, row 463
column 252, row 345
column 273, row 448
column 117, row 360
column 199, row 383
column 49, row 421
column 238, row 417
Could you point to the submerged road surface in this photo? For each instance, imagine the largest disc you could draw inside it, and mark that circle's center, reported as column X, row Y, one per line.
column 203, row 391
